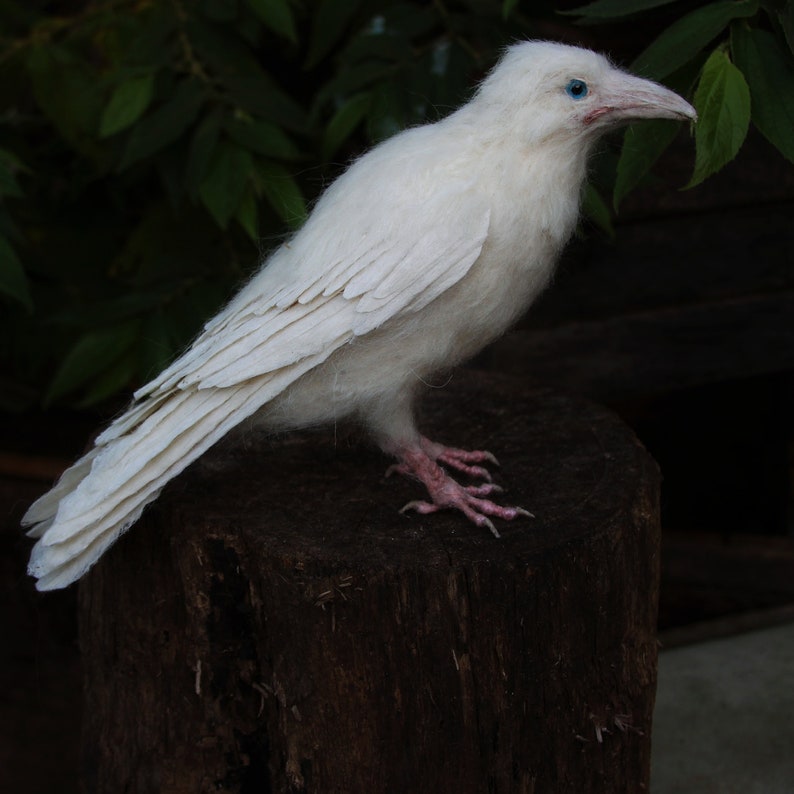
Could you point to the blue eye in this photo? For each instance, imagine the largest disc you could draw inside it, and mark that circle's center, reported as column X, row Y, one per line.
column 576, row 89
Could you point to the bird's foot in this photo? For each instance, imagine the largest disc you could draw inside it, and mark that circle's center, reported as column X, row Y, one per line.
column 422, row 463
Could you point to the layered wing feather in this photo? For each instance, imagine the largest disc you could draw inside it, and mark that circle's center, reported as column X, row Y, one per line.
column 274, row 325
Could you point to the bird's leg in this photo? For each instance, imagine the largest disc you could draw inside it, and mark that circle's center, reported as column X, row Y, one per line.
column 416, row 460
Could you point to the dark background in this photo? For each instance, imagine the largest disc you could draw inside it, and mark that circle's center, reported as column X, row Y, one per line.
column 683, row 324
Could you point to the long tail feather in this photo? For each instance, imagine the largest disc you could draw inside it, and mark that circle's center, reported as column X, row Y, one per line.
column 127, row 474
column 105, row 492
column 43, row 510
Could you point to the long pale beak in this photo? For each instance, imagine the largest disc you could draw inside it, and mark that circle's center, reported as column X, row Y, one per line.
column 627, row 98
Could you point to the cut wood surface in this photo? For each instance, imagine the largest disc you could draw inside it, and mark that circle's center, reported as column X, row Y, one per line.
column 273, row 623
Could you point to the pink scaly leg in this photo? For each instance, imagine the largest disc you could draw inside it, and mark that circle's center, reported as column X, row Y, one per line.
column 421, row 461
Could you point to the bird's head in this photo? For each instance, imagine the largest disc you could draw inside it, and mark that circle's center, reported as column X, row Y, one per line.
column 543, row 90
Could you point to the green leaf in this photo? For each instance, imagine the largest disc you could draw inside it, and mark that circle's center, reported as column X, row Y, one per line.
column 202, row 148
column 722, row 100
column 282, row 193
column 9, row 165
column 609, row 9
column 164, row 125
column 277, row 15
column 220, row 10
column 264, row 138
column 643, row 144
column 786, row 19
column 223, row 188
column 690, row 34
column 344, row 121
column 393, row 48
column 508, row 6
column 597, row 210
column 769, row 70
column 248, row 214
column 13, row 281
column 388, row 113
column 68, row 93
column 331, row 20
column 252, row 88
column 110, row 310
column 127, row 104
column 144, row 34
column 183, row 321
column 261, row 98
column 119, row 375
column 351, row 81
column 155, row 346
column 94, row 353
column 406, row 20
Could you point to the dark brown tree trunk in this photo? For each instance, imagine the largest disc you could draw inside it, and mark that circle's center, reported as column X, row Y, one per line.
column 273, row 624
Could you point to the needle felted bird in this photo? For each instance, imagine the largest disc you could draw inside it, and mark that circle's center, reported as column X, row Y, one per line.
column 427, row 248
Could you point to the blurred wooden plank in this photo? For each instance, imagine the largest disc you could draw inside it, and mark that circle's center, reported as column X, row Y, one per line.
column 655, row 351
column 707, row 577
column 750, row 563
column 44, row 468
column 727, row 626
column 672, row 262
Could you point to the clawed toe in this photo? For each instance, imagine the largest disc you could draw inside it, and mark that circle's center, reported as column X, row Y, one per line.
column 422, row 462
column 480, row 519
column 475, row 472
column 468, row 499
column 465, row 461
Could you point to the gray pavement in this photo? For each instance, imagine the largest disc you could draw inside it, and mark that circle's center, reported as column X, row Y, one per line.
column 724, row 719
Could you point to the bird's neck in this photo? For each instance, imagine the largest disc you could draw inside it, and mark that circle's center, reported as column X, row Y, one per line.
column 536, row 192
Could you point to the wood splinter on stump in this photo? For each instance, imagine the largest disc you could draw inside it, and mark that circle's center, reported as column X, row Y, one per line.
column 273, row 624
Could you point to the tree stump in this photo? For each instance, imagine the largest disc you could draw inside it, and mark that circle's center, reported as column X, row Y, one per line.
column 274, row 624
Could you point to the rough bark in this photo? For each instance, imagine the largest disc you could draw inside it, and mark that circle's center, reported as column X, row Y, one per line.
column 273, row 624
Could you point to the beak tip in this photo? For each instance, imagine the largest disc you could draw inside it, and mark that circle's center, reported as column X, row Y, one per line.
column 688, row 112
column 675, row 107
